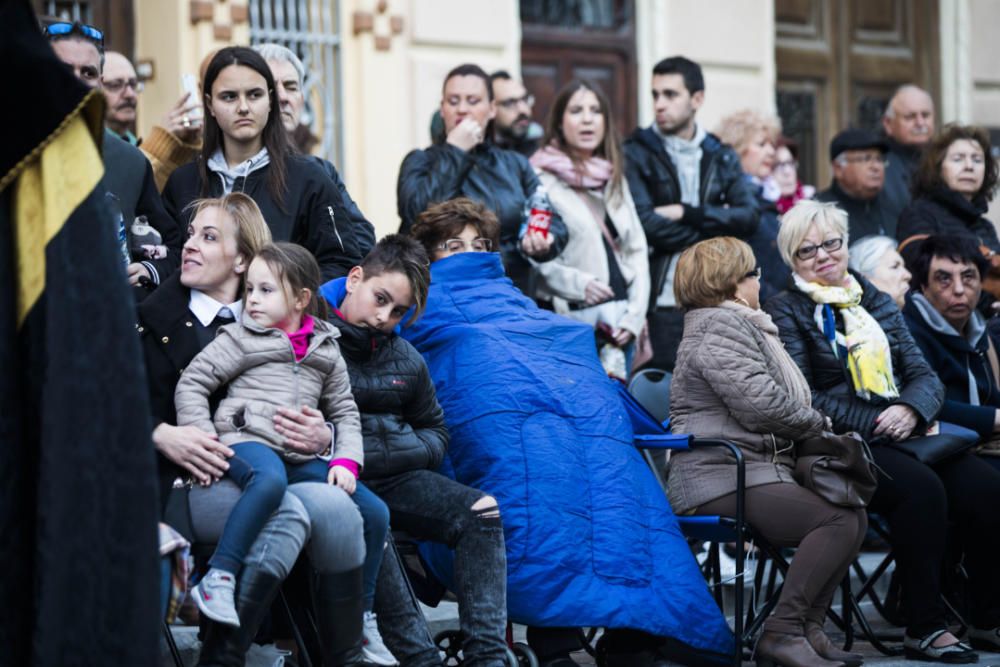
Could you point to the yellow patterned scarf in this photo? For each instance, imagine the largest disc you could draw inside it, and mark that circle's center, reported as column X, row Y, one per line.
column 868, row 355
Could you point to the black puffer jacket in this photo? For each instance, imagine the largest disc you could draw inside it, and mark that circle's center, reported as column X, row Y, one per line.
column 502, row 180
column 832, row 390
column 401, row 420
column 313, row 214
column 946, row 212
column 728, row 202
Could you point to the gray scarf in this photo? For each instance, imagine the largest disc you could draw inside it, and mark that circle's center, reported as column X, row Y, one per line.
column 686, row 156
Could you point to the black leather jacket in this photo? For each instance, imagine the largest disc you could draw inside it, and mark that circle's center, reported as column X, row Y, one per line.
column 401, row 420
column 500, row 179
column 728, row 202
column 833, row 393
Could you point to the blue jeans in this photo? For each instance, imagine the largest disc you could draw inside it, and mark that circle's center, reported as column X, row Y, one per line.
column 264, row 476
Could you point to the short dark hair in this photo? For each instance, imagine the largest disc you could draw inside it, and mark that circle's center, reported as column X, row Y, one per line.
column 501, row 74
column 469, row 69
column 446, row 220
column 961, row 249
column 928, row 175
column 689, row 69
column 401, row 254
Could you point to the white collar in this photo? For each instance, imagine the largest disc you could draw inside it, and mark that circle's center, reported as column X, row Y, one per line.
column 205, row 308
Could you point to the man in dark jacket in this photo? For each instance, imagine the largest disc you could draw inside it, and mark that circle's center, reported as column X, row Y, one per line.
column 289, row 77
column 128, row 176
column 513, row 128
column 687, row 186
column 468, row 164
column 953, row 335
column 858, row 161
column 908, row 123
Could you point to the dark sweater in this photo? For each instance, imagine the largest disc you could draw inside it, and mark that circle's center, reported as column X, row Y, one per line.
column 954, row 357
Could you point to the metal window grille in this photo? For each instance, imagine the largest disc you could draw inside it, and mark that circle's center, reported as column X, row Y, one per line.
column 69, row 10
column 311, row 29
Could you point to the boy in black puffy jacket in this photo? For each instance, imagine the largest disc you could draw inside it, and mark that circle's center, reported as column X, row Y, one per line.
column 405, row 437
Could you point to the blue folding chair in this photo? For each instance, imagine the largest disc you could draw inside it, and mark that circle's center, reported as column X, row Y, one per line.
column 647, row 398
column 652, row 434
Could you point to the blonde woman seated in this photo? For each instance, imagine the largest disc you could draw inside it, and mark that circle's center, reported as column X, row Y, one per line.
column 733, row 380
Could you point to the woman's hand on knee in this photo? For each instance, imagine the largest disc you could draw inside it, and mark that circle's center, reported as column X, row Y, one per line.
column 198, row 452
column 897, row 422
column 305, row 431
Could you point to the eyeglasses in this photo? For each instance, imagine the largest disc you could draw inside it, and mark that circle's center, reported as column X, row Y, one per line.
column 790, row 164
column 970, row 278
column 461, row 245
column 511, row 103
column 117, row 85
column 61, row 28
column 829, row 246
column 867, row 158
column 756, row 273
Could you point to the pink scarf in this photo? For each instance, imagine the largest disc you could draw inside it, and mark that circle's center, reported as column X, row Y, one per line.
column 593, row 174
column 300, row 339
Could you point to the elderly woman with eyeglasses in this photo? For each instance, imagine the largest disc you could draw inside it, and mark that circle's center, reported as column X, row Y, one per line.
column 734, row 380
column 868, row 375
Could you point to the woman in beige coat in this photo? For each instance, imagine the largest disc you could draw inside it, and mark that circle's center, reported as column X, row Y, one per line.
column 733, row 380
column 602, row 276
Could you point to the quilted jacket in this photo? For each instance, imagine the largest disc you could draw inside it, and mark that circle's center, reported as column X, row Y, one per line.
column 833, row 393
column 726, row 385
column 401, row 420
column 260, row 368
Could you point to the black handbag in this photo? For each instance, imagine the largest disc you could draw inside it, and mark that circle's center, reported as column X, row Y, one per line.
column 931, row 449
column 837, row 468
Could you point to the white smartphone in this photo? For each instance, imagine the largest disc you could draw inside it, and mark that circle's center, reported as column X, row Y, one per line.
column 189, row 83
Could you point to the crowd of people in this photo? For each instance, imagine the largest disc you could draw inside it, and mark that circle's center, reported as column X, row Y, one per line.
column 459, row 380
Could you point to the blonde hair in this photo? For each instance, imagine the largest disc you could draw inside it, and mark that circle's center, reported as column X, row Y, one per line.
column 796, row 221
column 738, row 129
column 252, row 232
column 709, row 271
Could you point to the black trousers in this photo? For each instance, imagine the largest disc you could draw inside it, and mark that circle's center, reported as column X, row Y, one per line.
column 923, row 506
column 666, row 327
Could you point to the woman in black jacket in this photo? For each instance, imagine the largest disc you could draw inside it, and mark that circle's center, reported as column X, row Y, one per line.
column 952, row 188
column 467, row 164
column 405, row 437
column 868, row 375
column 177, row 320
column 246, row 150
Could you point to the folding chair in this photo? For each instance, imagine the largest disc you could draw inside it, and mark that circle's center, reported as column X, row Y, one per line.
column 650, row 434
column 651, row 387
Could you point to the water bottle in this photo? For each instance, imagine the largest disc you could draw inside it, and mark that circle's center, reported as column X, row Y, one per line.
column 538, row 211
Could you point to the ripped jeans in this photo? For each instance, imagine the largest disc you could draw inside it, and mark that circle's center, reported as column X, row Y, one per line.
column 430, row 506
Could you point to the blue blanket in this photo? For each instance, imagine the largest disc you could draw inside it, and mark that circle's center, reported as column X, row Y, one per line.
column 534, row 421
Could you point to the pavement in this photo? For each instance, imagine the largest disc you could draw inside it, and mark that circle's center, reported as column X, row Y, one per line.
column 445, row 617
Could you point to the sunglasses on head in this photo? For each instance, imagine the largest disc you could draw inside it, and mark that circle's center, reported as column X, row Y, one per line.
column 62, row 28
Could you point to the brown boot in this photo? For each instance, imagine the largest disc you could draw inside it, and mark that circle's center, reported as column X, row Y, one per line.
column 774, row 648
column 827, row 649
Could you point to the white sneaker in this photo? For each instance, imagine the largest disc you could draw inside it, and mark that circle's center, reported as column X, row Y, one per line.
column 373, row 648
column 214, row 597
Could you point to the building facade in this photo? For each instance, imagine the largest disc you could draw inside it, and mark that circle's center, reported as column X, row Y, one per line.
column 376, row 66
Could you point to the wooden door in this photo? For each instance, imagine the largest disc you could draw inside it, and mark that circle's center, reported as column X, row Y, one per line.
column 838, row 63
column 590, row 39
